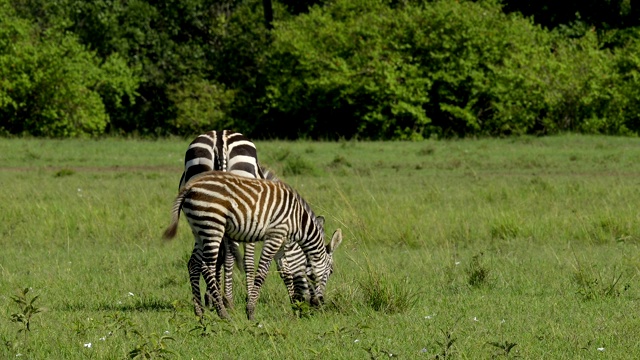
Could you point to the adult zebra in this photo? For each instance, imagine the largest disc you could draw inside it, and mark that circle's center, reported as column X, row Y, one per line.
column 233, row 152
column 219, row 204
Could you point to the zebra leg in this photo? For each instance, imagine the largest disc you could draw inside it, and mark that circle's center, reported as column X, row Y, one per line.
column 229, row 260
column 300, row 288
column 195, row 266
column 219, row 264
column 249, row 267
column 296, row 263
column 285, row 273
column 269, row 249
column 209, row 263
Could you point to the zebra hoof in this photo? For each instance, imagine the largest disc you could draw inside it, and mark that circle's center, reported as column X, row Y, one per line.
column 250, row 311
column 228, row 303
column 317, row 301
column 222, row 313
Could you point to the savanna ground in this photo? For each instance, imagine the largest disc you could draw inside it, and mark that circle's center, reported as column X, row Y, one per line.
column 464, row 249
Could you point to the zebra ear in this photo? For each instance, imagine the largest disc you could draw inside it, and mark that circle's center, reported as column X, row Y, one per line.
column 320, row 220
column 336, row 239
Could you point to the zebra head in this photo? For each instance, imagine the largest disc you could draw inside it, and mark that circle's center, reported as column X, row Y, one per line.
column 326, row 270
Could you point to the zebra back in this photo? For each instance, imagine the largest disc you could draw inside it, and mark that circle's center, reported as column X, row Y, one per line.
column 222, row 151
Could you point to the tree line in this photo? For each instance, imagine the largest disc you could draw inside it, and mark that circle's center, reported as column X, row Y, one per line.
column 320, row 69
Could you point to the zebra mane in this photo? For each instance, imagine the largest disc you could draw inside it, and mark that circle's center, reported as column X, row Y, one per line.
column 268, row 174
column 302, row 201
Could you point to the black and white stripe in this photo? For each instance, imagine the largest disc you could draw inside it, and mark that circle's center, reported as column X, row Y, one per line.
column 233, row 152
column 219, row 204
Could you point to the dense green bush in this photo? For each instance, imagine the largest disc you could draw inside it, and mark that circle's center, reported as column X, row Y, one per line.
column 51, row 85
column 563, row 85
column 201, row 106
column 446, row 68
column 627, row 68
column 375, row 69
column 339, row 72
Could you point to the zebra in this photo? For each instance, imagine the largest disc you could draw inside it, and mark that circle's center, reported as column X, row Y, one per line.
column 233, row 152
column 219, row 204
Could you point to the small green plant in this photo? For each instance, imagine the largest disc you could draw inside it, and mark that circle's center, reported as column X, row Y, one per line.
column 27, row 309
column 376, row 352
column 302, row 309
column 120, row 323
column 350, row 331
column 446, row 345
column 204, row 326
column 82, row 328
column 594, row 284
column 152, row 347
column 477, row 273
column 503, row 348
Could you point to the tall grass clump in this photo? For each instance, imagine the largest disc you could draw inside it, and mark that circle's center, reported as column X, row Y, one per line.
column 504, row 228
column 386, row 294
column 477, row 272
column 594, row 284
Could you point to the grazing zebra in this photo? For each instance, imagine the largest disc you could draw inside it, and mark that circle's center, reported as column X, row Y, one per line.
column 233, row 152
column 219, row 204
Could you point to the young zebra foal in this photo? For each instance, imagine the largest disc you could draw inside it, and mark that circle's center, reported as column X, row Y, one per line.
column 219, row 204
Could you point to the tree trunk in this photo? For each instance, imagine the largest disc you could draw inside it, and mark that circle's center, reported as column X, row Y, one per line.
column 268, row 13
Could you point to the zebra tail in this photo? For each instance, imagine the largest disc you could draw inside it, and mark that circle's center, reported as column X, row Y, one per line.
column 172, row 230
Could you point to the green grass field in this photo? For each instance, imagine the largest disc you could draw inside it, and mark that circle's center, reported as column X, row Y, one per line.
column 469, row 249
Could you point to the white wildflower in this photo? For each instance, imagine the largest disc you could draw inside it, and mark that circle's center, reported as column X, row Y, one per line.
column 166, row 332
column 131, row 294
column 600, row 349
column 356, row 340
column 475, row 319
column 103, row 338
column 457, row 262
column 87, row 345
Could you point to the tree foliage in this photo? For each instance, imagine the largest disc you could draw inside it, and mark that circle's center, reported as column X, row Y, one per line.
column 376, row 69
column 51, row 85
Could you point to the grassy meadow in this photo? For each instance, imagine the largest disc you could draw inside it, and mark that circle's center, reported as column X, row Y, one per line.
column 462, row 249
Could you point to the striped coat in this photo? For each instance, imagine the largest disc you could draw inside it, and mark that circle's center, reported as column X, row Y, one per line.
column 233, row 152
column 218, row 204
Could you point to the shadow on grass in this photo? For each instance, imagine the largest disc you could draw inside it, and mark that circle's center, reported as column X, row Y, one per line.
column 137, row 304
